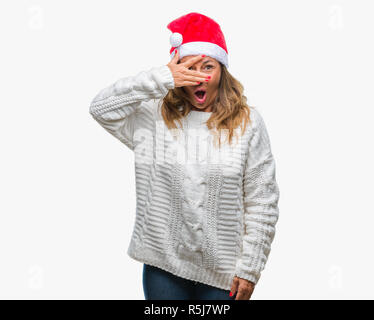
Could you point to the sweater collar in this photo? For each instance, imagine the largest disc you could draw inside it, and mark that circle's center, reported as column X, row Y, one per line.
column 198, row 117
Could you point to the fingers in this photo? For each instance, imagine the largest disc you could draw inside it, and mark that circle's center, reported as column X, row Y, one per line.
column 185, row 79
column 181, row 73
column 189, row 83
column 175, row 59
column 192, row 61
column 242, row 294
column 244, row 290
column 234, row 286
column 176, row 56
column 194, row 78
column 182, row 80
column 196, row 73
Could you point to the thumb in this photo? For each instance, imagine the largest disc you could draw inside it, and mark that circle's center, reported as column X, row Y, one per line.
column 176, row 56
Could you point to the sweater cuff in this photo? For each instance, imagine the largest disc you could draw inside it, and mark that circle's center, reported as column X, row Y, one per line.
column 247, row 275
column 164, row 77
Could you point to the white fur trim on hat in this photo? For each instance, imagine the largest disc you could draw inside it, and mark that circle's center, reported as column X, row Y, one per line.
column 199, row 47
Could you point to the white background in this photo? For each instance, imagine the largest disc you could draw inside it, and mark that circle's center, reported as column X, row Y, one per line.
column 68, row 187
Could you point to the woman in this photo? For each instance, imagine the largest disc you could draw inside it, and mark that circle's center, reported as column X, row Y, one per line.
column 207, row 197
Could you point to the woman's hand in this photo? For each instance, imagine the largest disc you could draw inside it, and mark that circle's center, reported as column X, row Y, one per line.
column 182, row 75
column 243, row 287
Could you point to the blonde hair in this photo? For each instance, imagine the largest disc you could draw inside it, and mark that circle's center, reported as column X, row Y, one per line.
column 230, row 107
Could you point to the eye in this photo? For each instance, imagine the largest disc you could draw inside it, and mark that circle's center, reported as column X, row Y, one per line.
column 209, row 65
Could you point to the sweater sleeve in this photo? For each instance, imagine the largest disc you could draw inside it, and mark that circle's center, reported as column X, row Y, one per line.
column 261, row 195
column 116, row 108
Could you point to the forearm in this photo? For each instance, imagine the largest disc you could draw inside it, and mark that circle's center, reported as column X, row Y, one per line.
column 115, row 106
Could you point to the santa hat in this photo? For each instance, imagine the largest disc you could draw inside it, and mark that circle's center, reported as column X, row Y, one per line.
column 195, row 34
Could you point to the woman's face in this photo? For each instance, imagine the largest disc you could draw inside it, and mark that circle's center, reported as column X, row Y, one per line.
column 204, row 102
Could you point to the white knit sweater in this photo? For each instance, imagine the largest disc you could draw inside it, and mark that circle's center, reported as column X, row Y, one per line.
column 202, row 213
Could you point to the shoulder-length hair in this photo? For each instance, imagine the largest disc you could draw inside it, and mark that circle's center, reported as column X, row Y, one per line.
column 230, row 109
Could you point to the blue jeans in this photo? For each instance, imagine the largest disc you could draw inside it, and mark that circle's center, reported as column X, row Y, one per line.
column 159, row 284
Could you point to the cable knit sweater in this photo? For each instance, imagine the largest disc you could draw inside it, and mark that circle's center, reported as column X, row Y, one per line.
column 203, row 213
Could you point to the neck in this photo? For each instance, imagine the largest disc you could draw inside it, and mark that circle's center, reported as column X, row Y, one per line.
column 206, row 109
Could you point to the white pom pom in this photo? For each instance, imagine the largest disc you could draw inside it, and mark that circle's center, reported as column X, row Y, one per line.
column 176, row 39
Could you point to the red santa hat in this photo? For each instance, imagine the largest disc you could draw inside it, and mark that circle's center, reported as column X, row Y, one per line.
column 195, row 34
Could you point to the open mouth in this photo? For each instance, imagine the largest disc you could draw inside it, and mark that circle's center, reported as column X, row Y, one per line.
column 200, row 96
